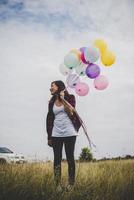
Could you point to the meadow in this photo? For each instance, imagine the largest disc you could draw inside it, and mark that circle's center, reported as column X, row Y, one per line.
column 105, row 180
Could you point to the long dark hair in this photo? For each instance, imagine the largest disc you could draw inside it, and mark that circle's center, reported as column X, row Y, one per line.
column 61, row 86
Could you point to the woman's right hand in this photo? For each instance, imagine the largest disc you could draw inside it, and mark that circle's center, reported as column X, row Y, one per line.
column 50, row 142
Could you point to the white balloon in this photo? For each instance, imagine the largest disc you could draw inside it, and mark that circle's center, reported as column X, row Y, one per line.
column 91, row 54
column 81, row 69
column 64, row 70
column 72, row 80
column 71, row 60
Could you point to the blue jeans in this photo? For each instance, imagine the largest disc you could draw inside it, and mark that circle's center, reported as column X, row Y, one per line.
column 57, row 143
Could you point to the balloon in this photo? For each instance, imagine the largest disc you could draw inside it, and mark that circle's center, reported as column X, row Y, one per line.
column 101, row 82
column 64, row 70
column 71, row 60
column 101, row 45
column 82, row 49
column 91, row 54
column 92, row 70
column 77, row 52
column 107, row 58
column 81, row 69
column 72, row 80
column 83, row 58
column 82, row 89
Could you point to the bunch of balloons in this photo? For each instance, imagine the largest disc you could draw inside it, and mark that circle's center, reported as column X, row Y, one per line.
column 82, row 62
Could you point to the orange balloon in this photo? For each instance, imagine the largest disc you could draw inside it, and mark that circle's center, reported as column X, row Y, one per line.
column 77, row 52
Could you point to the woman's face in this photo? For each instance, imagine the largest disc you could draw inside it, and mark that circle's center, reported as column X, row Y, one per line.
column 54, row 88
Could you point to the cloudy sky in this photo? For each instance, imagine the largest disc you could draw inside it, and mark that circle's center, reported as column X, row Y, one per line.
column 35, row 35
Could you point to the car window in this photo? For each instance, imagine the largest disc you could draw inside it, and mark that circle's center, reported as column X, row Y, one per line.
column 5, row 150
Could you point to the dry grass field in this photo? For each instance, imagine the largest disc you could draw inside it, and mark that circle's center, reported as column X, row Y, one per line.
column 105, row 180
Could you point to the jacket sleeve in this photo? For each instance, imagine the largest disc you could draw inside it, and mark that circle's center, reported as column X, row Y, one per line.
column 49, row 122
column 72, row 100
column 75, row 119
column 48, row 125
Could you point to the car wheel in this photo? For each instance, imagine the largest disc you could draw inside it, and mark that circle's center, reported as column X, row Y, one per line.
column 2, row 161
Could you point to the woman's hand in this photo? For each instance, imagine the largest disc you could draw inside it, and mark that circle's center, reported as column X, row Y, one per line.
column 50, row 143
column 62, row 94
column 72, row 111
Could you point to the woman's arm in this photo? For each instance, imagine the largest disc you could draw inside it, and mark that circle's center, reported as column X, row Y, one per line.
column 49, row 121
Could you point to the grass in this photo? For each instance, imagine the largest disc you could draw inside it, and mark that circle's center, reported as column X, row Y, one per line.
column 108, row 180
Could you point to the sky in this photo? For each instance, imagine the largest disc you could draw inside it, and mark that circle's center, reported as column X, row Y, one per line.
column 35, row 36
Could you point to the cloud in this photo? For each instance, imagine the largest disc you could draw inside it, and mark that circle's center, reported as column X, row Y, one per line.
column 76, row 16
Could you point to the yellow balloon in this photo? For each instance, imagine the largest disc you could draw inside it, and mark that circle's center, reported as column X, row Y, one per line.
column 77, row 52
column 108, row 58
column 101, row 45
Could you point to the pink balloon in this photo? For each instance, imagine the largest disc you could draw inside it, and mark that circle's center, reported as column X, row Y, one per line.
column 81, row 89
column 101, row 82
column 83, row 58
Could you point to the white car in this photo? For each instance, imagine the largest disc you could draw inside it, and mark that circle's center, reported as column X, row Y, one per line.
column 7, row 156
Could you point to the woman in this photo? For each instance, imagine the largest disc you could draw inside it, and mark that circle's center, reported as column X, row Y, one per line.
column 62, row 127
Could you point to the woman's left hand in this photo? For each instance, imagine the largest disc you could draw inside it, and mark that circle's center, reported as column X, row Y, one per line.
column 50, row 143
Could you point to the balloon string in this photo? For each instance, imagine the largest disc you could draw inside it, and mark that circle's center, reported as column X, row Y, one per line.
column 85, row 131
column 82, row 124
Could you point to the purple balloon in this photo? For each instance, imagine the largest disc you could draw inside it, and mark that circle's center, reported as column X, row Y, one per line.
column 82, row 49
column 92, row 70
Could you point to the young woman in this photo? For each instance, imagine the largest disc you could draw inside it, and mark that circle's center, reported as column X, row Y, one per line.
column 62, row 127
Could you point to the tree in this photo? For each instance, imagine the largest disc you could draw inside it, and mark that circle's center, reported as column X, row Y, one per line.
column 85, row 155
